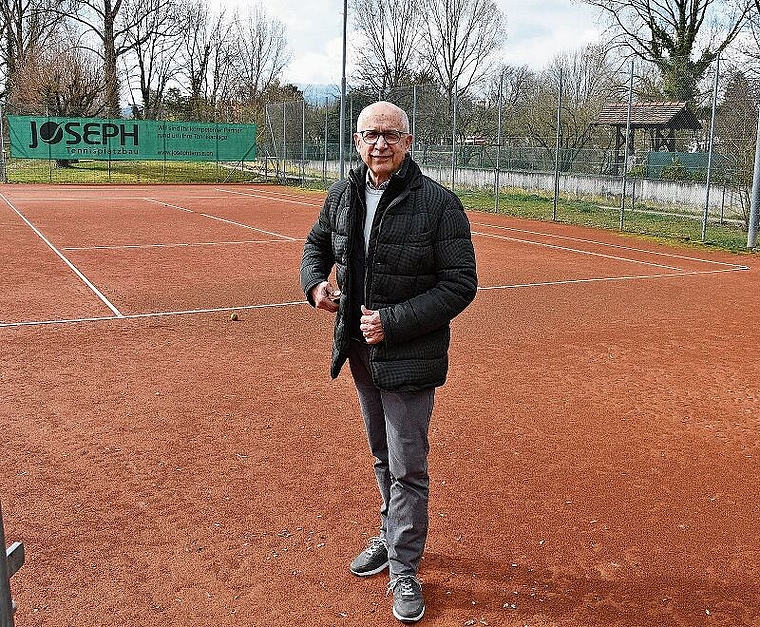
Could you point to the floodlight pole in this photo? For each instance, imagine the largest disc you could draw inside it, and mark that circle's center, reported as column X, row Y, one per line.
column 557, row 144
column 754, row 212
column 342, row 125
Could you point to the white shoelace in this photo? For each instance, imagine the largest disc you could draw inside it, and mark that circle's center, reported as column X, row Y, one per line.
column 404, row 582
column 374, row 544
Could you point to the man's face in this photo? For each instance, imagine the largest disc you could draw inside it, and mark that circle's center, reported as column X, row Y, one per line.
column 382, row 159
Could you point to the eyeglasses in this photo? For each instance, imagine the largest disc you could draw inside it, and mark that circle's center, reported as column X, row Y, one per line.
column 390, row 137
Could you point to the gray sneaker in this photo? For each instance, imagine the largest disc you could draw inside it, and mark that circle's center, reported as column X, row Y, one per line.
column 408, row 604
column 372, row 560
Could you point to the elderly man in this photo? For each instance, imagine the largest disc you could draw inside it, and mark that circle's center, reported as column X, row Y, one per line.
column 405, row 267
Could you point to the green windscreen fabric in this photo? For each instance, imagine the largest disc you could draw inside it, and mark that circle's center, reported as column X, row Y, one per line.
column 151, row 140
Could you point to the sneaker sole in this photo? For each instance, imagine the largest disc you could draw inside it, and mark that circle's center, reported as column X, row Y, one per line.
column 369, row 573
column 409, row 619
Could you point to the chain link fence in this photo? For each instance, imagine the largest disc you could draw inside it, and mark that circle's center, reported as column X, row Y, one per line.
column 479, row 145
column 539, row 144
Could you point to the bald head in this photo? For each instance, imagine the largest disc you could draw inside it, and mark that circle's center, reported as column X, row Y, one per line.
column 383, row 112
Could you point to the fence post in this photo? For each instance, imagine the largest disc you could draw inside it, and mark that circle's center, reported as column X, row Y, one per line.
column 3, row 163
column 754, row 212
column 10, row 561
column 558, row 143
column 628, row 148
column 454, row 139
column 710, row 151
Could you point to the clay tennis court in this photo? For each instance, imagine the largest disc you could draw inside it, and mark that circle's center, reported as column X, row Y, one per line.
column 595, row 454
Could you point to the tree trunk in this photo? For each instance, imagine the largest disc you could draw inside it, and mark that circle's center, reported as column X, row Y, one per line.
column 111, row 90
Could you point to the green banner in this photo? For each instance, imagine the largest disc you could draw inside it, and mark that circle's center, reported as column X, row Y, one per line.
column 150, row 140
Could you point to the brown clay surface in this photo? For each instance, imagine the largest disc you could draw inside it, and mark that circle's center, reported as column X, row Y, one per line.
column 595, row 454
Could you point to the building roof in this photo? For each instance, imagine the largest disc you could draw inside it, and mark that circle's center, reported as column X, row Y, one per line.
column 675, row 115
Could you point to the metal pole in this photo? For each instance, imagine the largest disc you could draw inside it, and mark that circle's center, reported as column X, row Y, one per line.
column 497, row 181
column 556, row 147
column 303, row 143
column 710, row 151
column 4, row 166
column 414, row 117
column 342, row 126
column 284, row 152
column 453, row 139
column 351, row 122
column 6, row 602
column 324, row 162
column 754, row 212
column 50, row 150
column 216, row 142
column 627, row 148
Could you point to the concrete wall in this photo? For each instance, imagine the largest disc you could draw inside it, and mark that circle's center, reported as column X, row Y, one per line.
column 685, row 197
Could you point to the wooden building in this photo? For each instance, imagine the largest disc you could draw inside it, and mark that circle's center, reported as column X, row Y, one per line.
column 660, row 119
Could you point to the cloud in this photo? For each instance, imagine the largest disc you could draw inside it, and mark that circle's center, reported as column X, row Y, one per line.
column 536, row 32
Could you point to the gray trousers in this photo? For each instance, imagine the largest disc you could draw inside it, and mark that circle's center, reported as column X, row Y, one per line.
column 397, row 430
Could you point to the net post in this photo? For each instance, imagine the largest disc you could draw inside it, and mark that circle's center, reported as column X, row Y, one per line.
column 10, row 561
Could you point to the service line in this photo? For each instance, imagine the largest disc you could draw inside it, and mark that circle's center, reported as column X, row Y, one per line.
column 156, row 314
column 609, row 245
column 637, row 277
column 175, row 245
column 265, row 197
column 212, row 217
column 577, row 251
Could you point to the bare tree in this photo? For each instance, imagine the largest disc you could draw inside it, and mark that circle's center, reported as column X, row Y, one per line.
column 261, row 52
column 750, row 45
column 60, row 80
column 205, row 57
column 680, row 37
column 736, row 125
column 261, row 55
column 590, row 78
column 154, row 42
column 461, row 38
column 388, row 55
column 27, row 26
column 113, row 24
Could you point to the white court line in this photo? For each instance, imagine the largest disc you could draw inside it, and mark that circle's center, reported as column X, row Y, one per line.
column 577, row 250
column 66, row 261
column 177, row 245
column 99, row 198
column 264, row 197
column 618, row 246
column 608, row 279
column 206, row 215
column 156, row 314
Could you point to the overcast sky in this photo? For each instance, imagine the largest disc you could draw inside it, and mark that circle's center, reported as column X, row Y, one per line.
column 536, row 31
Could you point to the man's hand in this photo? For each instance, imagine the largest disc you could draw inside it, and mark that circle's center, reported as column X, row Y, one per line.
column 326, row 297
column 371, row 326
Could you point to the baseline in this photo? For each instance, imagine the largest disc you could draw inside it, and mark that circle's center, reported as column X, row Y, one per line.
column 225, row 220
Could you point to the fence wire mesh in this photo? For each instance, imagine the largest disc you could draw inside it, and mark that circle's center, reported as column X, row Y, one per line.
column 534, row 142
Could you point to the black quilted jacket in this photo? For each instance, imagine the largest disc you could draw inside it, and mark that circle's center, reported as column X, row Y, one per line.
column 419, row 274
